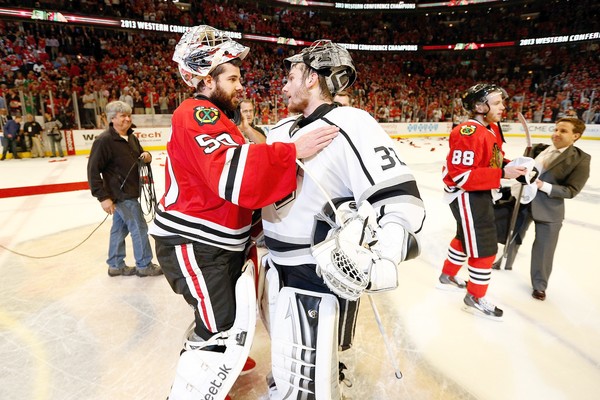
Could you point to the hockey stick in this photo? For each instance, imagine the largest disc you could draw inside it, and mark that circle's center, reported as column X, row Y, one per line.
column 501, row 263
column 386, row 341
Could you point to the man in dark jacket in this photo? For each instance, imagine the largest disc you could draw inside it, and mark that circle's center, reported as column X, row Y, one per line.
column 113, row 177
column 11, row 133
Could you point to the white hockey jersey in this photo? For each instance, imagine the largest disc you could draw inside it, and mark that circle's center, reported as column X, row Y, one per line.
column 361, row 162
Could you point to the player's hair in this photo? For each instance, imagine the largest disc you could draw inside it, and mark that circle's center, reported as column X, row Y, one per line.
column 578, row 125
column 323, row 88
column 220, row 69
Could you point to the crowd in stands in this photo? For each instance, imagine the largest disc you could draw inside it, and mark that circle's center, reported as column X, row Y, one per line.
column 50, row 67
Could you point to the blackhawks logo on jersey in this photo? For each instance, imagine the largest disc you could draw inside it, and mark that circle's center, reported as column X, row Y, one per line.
column 468, row 130
column 497, row 157
column 206, row 115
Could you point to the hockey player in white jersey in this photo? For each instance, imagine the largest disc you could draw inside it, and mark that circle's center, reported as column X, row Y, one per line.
column 315, row 312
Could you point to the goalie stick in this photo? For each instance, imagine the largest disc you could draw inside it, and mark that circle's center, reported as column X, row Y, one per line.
column 388, row 346
column 510, row 238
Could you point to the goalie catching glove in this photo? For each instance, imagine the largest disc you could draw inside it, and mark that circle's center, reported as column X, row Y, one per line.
column 353, row 258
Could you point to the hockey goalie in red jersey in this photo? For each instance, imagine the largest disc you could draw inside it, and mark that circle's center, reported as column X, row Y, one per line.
column 214, row 181
column 474, row 166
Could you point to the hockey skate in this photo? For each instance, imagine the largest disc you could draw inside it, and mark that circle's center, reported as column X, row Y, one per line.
column 481, row 307
column 451, row 283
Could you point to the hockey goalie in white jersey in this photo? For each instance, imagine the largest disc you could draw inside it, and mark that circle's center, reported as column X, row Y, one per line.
column 356, row 210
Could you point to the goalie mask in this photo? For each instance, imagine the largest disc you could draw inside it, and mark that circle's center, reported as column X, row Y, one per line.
column 478, row 94
column 329, row 60
column 201, row 49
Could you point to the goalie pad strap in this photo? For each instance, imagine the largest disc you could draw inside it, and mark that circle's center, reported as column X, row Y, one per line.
column 269, row 284
column 210, row 375
column 304, row 338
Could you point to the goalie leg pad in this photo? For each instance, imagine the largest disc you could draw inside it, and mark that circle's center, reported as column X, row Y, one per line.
column 304, row 337
column 205, row 374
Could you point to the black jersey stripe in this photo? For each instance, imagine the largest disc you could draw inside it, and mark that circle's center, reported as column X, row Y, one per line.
column 198, row 226
column 409, row 188
column 217, row 243
column 233, row 171
column 282, row 247
column 356, row 152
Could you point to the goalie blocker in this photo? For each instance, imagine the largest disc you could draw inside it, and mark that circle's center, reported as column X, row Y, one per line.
column 209, row 375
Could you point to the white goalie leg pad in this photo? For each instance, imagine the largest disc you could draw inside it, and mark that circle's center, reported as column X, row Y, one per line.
column 209, row 375
column 268, row 293
column 304, row 343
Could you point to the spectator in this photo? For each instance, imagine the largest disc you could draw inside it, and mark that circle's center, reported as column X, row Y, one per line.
column 113, row 176
column 89, row 109
column 11, row 131
column 343, row 98
column 52, row 128
column 250, row 131
column 33, row 130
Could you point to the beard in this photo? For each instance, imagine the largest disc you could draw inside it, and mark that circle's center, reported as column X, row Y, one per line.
column 225, row 101
column 299, row 104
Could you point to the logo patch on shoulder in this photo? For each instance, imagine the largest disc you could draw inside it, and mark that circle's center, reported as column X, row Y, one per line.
column 468, row 130
column 206, row 115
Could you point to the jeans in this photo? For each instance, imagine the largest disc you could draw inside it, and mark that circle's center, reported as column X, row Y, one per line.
column 128, row 218
column 9, row 144
column 54, row 145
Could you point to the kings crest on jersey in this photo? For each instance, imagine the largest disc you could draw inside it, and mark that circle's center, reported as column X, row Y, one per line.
column 361, row 163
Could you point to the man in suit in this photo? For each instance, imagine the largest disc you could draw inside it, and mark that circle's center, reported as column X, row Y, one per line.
column 564, row 170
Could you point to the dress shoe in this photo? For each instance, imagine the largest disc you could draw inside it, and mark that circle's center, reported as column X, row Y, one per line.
column 539, row 295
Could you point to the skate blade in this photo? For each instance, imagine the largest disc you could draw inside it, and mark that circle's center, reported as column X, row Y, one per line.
column 450, row 288
column 479, row 314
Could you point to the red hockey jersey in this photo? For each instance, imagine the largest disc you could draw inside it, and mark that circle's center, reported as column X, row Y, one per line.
column 214, row 179
column 475, row 159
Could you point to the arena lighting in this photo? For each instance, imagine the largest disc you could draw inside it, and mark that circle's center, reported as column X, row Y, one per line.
column 55, row 17
column 455, row 3
column 560, row 39
column 467, row 46
column 398, row 5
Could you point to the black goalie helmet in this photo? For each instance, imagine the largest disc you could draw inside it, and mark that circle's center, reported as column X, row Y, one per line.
column 478, row 94
column 329, row 60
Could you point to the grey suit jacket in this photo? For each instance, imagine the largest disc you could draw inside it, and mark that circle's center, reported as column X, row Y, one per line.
column 568, row 173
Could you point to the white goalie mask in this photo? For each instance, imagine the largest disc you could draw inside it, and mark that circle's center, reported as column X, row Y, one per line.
column 201, row 49
column 330, row 60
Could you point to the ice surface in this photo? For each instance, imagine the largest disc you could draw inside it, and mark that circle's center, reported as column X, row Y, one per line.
column 68, row 331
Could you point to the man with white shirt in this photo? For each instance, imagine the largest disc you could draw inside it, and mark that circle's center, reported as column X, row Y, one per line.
column 564, row 170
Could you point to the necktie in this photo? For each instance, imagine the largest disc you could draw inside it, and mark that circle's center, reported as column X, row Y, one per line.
column 550, row 157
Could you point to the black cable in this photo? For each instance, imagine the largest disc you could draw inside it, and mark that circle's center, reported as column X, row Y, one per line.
column 62, row 252
column 148, row 199
column 148, row 202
